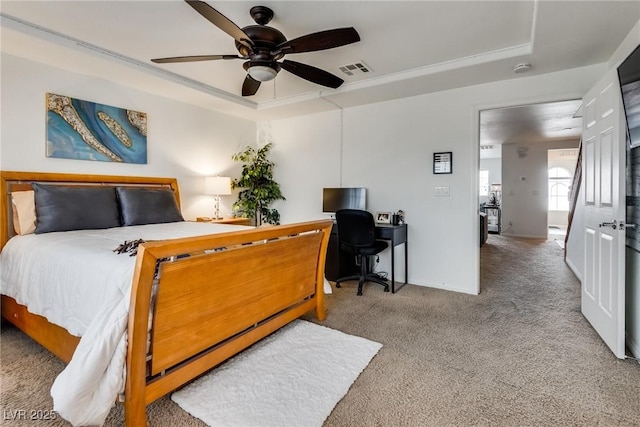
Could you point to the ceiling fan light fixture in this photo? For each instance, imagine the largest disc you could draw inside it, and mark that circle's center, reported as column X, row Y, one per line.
column 262, row 73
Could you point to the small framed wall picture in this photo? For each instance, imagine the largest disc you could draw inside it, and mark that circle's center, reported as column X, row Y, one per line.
column 383, row 217
column 443, row 162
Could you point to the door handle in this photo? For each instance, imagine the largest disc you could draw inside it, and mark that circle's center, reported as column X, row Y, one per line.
column 613, row 224
column 623, row 226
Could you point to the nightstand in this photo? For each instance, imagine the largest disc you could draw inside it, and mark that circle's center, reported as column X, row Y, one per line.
column 237, row 221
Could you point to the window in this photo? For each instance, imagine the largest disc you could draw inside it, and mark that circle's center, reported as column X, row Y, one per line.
column 484, row 183
column 559, row 189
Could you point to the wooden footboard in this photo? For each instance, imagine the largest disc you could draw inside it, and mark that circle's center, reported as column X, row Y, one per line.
column 215, row 296
column 210, row 297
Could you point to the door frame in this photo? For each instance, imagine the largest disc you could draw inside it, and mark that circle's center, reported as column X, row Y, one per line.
column 475, row 180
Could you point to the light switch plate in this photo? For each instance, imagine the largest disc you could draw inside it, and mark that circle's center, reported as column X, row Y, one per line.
column 442, row 191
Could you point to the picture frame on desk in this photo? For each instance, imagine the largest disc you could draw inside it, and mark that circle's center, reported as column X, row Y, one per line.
column 383, row 217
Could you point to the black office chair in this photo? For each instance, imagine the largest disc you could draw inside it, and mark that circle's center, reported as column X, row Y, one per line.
column 357, row 236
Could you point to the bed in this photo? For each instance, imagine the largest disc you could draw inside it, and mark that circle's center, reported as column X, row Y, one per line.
column 191, row 302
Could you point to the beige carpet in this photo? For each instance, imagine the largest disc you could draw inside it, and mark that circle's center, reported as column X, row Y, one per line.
column 269, row 384
column 518, row 354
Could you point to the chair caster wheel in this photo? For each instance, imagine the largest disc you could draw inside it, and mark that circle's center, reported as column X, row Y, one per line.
column 337, row 285
column 386, row 289
column 359, row 293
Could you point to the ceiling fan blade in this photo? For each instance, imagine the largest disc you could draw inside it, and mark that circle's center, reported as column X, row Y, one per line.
column 313, row 74
column 250, row 86
column 319, row 41
column 194, row 58
column 222, row 22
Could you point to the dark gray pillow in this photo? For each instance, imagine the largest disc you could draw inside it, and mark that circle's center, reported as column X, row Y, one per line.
column 140, row 206
column 60, row 208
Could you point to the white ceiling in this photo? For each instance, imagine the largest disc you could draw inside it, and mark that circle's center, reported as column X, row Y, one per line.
column 535, row 122
column 413, row 47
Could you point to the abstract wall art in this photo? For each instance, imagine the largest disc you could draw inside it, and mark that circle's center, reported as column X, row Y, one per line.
column 85, row 130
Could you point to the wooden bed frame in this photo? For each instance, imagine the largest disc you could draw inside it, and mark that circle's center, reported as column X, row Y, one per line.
column 231, row 291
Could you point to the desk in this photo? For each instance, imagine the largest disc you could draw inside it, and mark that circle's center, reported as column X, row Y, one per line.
column 397, row 235
column 339, row 264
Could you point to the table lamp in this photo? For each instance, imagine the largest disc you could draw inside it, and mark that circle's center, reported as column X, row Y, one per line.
column 217, row 186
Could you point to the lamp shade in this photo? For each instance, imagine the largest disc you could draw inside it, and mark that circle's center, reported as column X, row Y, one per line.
column 217, row 185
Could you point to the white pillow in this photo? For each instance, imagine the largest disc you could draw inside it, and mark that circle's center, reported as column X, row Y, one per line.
column 24, row 211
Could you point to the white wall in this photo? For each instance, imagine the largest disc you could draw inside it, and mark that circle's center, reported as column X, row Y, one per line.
column 307, row 160
column 558, row 218
column 184, row 141
column 525, row 186
column 388, row 148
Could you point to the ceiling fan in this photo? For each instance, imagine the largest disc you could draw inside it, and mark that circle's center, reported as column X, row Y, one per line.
column 263, row 46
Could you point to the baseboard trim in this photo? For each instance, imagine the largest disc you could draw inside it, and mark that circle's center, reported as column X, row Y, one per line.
column 443, row 287
column 524, row 236
column 573, row 269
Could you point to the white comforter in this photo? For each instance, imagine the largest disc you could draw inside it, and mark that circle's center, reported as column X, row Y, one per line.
column 75, row 280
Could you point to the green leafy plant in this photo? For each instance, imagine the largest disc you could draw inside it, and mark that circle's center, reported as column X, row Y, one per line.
column 258, row 189
column 494, row 200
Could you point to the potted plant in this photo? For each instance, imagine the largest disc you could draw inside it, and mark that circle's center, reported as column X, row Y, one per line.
column 494, row 200
column 258, row 189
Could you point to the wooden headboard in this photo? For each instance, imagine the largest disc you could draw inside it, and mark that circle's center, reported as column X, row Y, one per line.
column 21, row 181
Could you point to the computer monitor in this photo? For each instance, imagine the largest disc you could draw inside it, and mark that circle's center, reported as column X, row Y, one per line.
column 334, row 199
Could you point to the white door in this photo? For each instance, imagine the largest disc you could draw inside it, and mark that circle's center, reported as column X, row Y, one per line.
column 603, row 288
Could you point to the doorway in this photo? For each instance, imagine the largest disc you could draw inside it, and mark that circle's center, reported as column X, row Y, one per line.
column 517, row 139
column 514, row 144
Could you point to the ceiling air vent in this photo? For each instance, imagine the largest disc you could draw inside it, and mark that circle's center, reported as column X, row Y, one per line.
column 356, row 68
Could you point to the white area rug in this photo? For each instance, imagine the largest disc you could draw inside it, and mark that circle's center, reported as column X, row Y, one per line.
column 294, row 377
